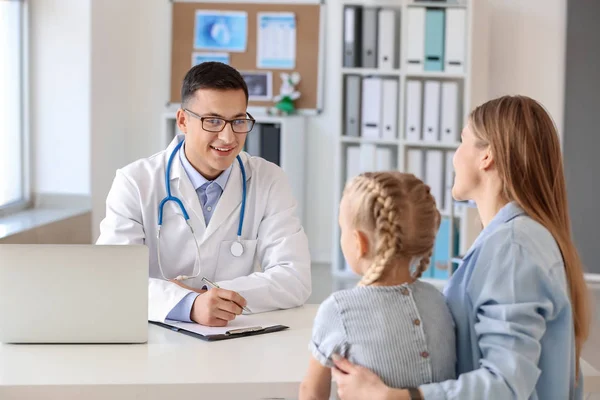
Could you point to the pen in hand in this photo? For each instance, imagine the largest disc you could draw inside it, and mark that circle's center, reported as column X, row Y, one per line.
column 214, row 285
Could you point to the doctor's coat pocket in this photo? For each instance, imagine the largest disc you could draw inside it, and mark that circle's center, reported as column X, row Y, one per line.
column 230, row 266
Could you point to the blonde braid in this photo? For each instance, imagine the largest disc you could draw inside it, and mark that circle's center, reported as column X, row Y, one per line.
column 423, row 264
column 387, row 231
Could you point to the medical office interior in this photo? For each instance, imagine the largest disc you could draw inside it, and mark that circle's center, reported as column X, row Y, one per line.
column 88, row 86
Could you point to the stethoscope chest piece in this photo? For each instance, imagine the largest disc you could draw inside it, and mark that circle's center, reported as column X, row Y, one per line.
column 237, row 249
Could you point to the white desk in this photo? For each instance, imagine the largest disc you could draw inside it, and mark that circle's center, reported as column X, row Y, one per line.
column 173, row 364
column 170, row 364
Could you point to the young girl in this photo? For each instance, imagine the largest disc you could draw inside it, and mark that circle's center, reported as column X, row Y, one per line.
column 519, row 298
column 391, row 323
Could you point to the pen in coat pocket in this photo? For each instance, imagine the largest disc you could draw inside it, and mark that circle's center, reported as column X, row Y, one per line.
column 214, row 285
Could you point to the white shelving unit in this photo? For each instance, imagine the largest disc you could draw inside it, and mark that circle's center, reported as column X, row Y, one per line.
column 472, row 85
column 292, row 151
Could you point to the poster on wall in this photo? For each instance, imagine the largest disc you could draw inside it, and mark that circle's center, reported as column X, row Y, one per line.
column 260, row 85
column 276, row 40
column 199, row 58
column 221, row 30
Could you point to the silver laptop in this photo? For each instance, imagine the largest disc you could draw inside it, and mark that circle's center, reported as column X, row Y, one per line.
column 73, row 293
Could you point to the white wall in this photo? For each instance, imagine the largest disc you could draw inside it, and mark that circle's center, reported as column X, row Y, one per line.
column 60, row 95
column 527, row 56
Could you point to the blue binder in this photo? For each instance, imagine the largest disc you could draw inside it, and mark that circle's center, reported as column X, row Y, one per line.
column 441, row 250
column 434, row 39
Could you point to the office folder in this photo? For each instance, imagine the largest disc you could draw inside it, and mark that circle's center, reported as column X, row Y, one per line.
column 434, row 175
column 352, row 101
column 387, row 33
column 449, row 182
column 415, row 49
column 441, row 250
column 352, row 162
column 413, row 110
column 270, row 143
column 449, row 120
column 242, row 325
column 368, row 157
column 253, row 141
column 384, row 159
column 431, row 112
column 456, row 39
column 415, row 163
column 352, row 36
column 434, row 39
column 371, row 108
column 389, row 109
column 369, row 37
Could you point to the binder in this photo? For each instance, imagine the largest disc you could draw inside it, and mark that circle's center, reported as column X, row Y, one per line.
column 441, row 249
column 415, row 49
column 384, row 159
column 431, row 112
column 434, row 175
column 455, row 40
column 434, row 39
column 352, row 100
column 270, row 143
column 253, row 141
column 416, row 163
column 352, row 36
column 368, row 157
column 369, row 37
column 371, row 108
column 449, row 120
column 243, row 325
column 389, row 109
column 352, row 162
column 448, row 181
column 413, row 110
column 386, row 39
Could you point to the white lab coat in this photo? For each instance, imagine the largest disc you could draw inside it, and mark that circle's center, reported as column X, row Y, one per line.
column 274, row 271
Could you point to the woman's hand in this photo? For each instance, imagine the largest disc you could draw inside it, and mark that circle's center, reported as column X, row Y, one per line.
column 357, row 383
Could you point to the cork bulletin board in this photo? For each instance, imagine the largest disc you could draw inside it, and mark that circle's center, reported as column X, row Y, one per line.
column 308, row 47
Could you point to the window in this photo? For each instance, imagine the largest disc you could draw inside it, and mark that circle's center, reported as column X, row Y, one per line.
column 13, row 191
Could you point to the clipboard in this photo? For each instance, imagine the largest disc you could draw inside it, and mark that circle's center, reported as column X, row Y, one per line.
column 242, row 326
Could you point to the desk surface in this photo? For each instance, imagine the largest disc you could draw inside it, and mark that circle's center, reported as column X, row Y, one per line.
column 172, row 364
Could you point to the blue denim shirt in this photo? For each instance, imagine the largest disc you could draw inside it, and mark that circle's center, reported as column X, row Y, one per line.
column 209, row 193
column 514, row 322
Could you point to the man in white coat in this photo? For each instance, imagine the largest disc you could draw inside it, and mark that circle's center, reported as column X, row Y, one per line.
column 273, row 271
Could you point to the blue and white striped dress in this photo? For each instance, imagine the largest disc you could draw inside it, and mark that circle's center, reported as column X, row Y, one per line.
column 405, row 333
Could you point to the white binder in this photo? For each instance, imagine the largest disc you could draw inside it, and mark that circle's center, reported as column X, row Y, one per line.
column 449, row 181
column 415, row 163
column 371, row 108
column 368, row 157
column 450, row 127
column 431, row 112
column 455, row 40
column 434, row 175
column 415, row 50
column 413, row 110
column 352, row 162
column 384, row 161
column 386, row 39
column 389, row 109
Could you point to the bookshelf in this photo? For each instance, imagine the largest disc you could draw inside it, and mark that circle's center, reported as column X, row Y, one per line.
column 467, row 84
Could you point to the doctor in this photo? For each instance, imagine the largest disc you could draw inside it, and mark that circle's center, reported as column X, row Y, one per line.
column 206, row 209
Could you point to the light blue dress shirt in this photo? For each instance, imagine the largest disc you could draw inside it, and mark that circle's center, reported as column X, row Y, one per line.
column 209, row 193
column 514, row 322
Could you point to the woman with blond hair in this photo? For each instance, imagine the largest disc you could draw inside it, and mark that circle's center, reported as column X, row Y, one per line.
column 519, row 299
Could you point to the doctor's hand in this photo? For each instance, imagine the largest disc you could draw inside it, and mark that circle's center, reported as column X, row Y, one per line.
column 216, row 307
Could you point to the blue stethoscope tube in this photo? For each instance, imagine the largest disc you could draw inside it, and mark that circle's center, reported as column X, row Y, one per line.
column 237, row 249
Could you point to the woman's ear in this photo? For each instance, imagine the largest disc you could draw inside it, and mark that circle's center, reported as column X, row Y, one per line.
column 361, row 243
column 487, row 159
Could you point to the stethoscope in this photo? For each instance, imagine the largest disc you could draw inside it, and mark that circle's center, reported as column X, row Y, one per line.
column 237, row 249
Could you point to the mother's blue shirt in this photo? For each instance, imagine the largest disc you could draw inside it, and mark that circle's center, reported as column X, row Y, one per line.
column 510, row 301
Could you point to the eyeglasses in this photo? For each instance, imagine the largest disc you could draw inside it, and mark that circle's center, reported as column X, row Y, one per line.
column 216, row 124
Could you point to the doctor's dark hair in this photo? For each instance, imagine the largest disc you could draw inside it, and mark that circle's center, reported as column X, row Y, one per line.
column 398, row 214
column 211, row 75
